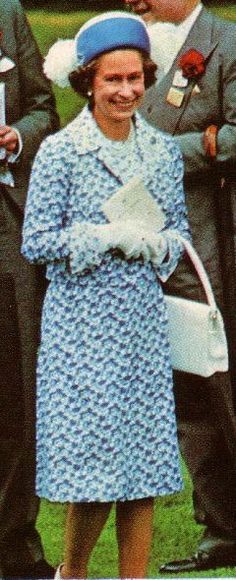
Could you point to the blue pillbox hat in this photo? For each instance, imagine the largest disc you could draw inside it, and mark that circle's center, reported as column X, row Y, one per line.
column 110, row 31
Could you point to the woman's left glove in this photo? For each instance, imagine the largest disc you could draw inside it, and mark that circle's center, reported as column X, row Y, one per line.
column 132, row 239
column 135, row 240
column 158, row 247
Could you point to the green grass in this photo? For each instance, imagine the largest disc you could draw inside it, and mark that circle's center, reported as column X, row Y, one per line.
column 171, row 522
column 49, row 27
column 175, row 535
column 175, row 532
column 227, row 11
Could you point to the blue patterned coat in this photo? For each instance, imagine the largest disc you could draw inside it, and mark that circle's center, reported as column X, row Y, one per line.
column 106, row 423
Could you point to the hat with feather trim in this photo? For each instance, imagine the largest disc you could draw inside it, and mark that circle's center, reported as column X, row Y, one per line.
column 101, row 34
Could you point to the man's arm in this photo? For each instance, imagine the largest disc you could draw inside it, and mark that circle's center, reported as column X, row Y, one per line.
column 38, row 115
column 193, row 144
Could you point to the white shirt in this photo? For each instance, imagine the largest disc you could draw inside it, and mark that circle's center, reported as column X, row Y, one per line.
column 167, row 39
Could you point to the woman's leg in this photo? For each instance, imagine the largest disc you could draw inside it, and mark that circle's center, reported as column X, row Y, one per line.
column 83, row 526
column 134, row 521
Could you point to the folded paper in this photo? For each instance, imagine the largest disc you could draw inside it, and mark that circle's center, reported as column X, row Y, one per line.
column 133, row 201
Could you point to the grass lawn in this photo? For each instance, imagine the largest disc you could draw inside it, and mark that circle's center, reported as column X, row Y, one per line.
column 175, row 532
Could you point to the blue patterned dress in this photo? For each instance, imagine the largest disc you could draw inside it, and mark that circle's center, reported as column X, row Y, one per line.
column 106, row 426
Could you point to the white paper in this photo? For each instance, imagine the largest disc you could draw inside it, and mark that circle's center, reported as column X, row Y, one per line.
column 6, row 64
column 6, row 178
column 2, row 104
column 133, row 201
column 5, row 175
column 2, row 115
column 179, row 80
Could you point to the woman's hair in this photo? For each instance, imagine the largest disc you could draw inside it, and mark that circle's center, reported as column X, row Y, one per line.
column 82, row 79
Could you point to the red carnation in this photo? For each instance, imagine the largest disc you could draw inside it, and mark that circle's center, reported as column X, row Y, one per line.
column 192, row 64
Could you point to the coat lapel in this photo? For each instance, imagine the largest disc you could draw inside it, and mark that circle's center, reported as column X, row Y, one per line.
column 144, row 144
column 108, row 162
column 89, row 139
column 155, row 107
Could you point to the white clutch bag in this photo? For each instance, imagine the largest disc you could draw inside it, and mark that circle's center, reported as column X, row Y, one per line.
column 197, row 335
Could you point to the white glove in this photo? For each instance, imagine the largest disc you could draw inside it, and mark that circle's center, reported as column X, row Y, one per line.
column 158, row 247
column 105, row 234
column 128, row 236
column 135, row 239
column 131, row 239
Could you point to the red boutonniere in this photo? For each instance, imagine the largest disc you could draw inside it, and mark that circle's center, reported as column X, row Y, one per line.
column 192, row 64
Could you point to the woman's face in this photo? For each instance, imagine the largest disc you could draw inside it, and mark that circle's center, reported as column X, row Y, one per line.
column 118, row 87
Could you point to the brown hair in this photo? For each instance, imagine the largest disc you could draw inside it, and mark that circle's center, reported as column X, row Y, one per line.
column 82, row 79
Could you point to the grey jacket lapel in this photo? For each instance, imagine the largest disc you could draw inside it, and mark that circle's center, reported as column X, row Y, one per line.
column 156, row 109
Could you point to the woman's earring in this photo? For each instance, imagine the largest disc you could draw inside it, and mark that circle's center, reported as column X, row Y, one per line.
column 89, row 93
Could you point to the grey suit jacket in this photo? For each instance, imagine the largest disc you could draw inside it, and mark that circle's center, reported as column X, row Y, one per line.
column 208, row 204
column 30, row 105
column 216, row 102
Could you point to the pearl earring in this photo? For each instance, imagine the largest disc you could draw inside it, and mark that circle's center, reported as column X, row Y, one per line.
column 89, row 93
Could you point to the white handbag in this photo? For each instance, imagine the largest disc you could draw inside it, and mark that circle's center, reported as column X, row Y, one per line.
column 196, row 330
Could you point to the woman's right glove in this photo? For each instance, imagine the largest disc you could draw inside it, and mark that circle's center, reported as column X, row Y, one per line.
column 88, row 244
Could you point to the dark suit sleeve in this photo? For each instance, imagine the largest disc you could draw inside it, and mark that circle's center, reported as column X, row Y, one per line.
column 191, row 143
column 38, row 115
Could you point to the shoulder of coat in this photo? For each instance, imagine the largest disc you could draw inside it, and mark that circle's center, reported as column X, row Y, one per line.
column 157, row 146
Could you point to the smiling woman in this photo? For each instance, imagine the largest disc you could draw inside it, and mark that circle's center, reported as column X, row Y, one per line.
column 115, row 83
column 106, row 429
column 118, row 90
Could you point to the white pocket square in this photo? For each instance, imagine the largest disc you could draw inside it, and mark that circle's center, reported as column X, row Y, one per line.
column 6, row 64
column 179, row 80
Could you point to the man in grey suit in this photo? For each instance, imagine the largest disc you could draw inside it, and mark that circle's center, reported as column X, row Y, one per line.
column 27, row 115
column 195, row 100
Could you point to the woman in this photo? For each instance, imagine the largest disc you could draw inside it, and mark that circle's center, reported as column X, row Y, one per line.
column 106, row 427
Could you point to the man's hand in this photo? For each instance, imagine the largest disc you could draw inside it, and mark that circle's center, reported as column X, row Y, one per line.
column 210, row 141
column 9, row 139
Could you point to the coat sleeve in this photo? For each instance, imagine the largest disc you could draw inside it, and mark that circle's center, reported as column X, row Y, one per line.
column 191, row 143
column 38, row 115
column 170, row 187
column 48, row 236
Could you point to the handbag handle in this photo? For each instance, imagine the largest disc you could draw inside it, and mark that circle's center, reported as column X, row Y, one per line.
column 193, row 255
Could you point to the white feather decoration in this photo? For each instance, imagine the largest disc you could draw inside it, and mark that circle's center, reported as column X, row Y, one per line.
column 60, row 61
